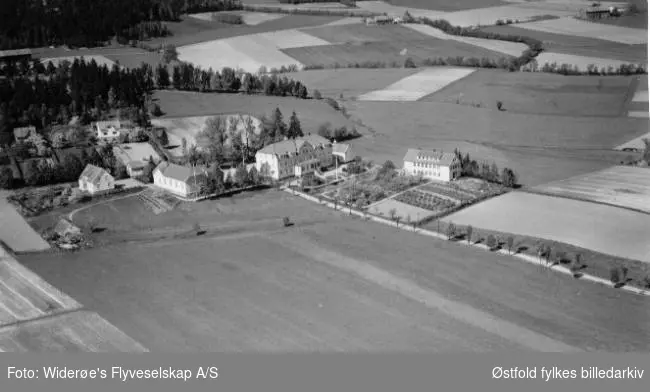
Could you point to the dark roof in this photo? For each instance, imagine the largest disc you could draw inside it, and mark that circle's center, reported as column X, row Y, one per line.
column 136, row 164
column 180, row 173
column 93, row 174
column 439, row 157
column 15, row 52
column 292, row 145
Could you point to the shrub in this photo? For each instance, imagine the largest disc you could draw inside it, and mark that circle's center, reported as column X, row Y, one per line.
column 614, row 275
column 317, row 94
column 491, row 242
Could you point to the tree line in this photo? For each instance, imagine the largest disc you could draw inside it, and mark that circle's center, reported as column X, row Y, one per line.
column 39, row 95
column 486, row 171
column 188, row 77
column 34, row 23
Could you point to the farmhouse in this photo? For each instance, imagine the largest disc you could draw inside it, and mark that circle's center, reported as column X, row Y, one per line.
column 343, row 152
column 108, row 130
column 432, row 164
column 23, row 133
column 180, row 180
column 95, row 180
column 283, row 159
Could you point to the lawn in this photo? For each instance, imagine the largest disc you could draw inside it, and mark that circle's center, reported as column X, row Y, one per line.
column 540, row 148
column 351, row 82
column 191, row 30
column 128, row 152
column 311, row 113
column 581, row 28
column 444, row 5
column 540, row 93
column 332, row 283
column 405, row 211
column 385, row 44
column 557, row 42
column 620, row 185
column 637, row 21
column 604, row 229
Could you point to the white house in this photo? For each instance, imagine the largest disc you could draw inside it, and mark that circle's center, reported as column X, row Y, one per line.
column 432, row 164
column 279, row 160
column 95, row 180
column 343, row 152
column 109, row 130
column 180, row 180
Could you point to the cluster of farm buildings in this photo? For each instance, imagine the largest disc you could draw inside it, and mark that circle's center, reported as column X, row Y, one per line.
column 298, row 158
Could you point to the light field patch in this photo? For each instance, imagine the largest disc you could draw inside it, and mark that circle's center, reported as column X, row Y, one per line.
column 418, row 86
column 572, row 26
column 100, row 60
column 249, row 52
column 128, row 152
column 582, row 62
column 392, row 10
column 640, row 96
column 509, row 48
column 490, row 15
column 605, row 229
column 638, row 114
column 637, row 143
column 403, row 210
column 623, row 186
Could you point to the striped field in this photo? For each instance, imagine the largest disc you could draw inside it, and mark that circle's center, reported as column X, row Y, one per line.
column 572, row 26
column 418, row 85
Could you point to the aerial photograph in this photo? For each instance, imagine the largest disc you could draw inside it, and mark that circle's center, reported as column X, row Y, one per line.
column 283, row 176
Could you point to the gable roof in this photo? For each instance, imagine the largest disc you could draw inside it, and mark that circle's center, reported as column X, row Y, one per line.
column 439, row 157
column 290, row 146
column 93, row 174
column 179, row 173
column 340, row 148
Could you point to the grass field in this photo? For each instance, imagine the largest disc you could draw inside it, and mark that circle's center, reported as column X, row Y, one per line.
column 336, row 284
column 418, row 85
column 398, row 10
column 540, row 93
column 351, row 82
column 386, row 45
column 514, row 49
column 638, row 21
column 605, row 229
column 439, row 5
column 188, row 128
column 555, row 42
column 572, row 26
column 620, row 185
column 311, row 113
column 539, row 148
column 248, row 52
column 125, row 56
column 490, row 15
column 403, row 210
column 191, row 30
column 248, row 18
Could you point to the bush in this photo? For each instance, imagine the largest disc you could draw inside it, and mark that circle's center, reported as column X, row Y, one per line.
column 614, row 275
column 491, row 242
column 317, row 94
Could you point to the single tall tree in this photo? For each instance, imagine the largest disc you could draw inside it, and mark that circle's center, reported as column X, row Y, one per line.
column 280, row 128
column 295, row 130
column 470, row 231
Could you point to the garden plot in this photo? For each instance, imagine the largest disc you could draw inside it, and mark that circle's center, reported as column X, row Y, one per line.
column 403, row 210
column 578, row 61
column 490, row 15
column 510, row 48
column 602, row 228
column 249, row 52
column 381, row 7
column 100, row 60
column 572, row 26
column 620, row 185
column 128, row 152
column 418, row 86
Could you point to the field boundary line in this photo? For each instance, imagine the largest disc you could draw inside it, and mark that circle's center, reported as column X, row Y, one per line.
column 577, row 198
column 525, row 258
